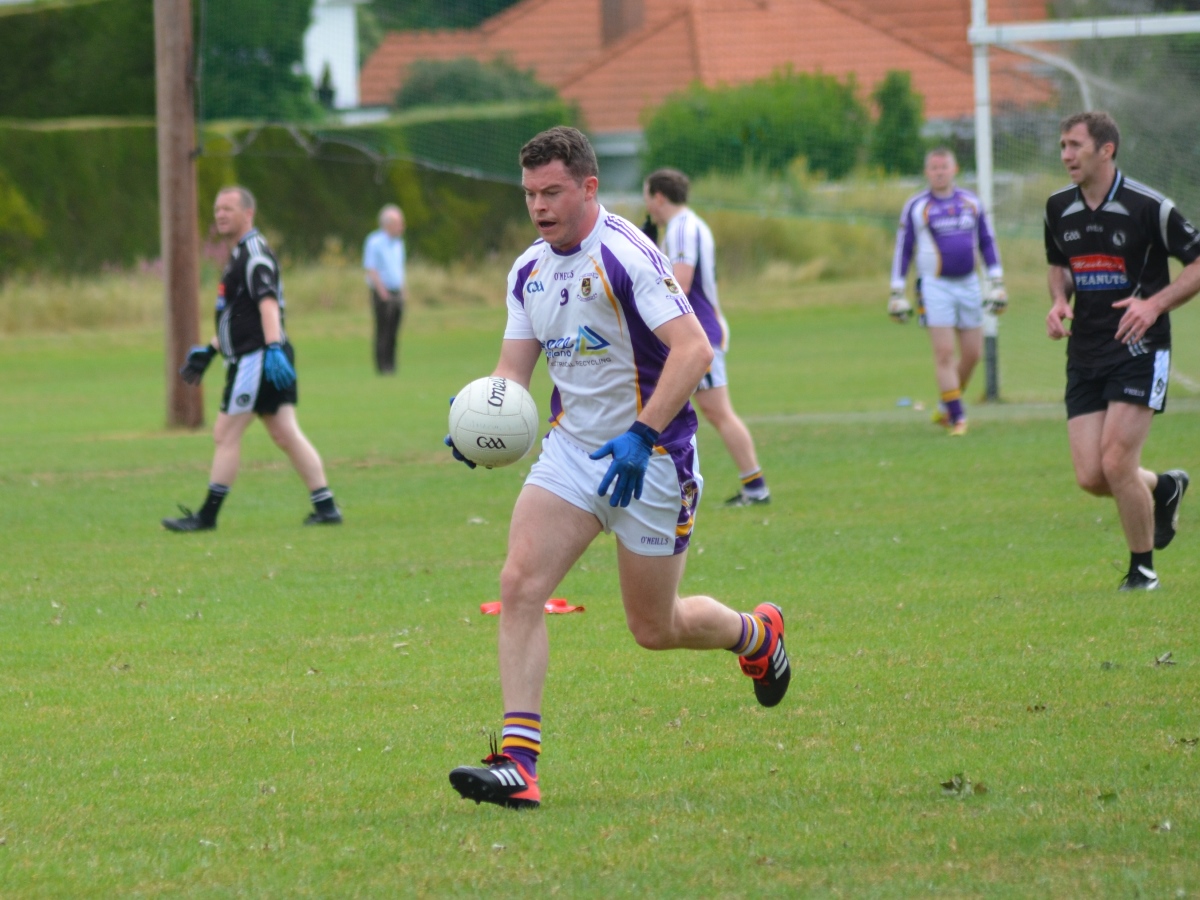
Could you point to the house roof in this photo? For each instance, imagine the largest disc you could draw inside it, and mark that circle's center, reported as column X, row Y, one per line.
column 679, row 42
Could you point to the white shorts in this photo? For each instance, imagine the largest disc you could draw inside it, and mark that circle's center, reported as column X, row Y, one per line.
column 950, row 302
column 659, row 524
column 715, row 377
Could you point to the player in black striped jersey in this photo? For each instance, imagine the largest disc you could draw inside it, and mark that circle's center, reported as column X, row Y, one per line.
column 1108, row 240
column 259, row 368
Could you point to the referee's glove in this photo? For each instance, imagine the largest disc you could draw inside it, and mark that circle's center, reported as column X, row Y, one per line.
column 650, row 230
column 898, row 307
column 278, row 368
column 197, row 362
column 995, row 301
column 631, row 456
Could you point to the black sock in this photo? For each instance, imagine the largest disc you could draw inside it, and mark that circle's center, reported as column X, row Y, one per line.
column 1141, row 559
column 1164, row 489
column 322, row 499
column 212, row 503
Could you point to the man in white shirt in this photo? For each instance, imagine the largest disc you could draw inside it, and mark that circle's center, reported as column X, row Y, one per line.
column 690, row 247
column 625, row 352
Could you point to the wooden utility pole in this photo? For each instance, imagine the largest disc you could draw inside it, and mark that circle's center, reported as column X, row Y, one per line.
column 174, row 63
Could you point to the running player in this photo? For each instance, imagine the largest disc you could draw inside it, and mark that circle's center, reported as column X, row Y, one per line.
column 624, row 351
column 1108, row 240
column 260, row 378
column 942, row 228
column 690, row 248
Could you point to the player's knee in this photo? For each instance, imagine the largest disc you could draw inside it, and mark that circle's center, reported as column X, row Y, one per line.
column 1093, row 481
column 652, row 634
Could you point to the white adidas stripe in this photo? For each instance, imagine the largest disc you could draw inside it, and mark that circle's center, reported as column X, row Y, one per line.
column 509, row 777
column 779, row 659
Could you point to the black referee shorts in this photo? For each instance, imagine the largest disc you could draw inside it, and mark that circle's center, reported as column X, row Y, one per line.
column 1140, row 380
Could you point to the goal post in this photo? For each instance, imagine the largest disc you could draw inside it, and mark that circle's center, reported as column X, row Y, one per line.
column 1090, row 83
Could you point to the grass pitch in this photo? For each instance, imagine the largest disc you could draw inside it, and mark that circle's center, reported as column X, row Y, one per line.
column 271, row 711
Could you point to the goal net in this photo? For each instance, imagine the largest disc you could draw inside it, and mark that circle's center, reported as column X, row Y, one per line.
column 1149, row 83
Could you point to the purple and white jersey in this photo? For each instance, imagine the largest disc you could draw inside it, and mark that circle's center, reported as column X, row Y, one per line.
column 689, row 241
column 594, row 310
column 942, row 233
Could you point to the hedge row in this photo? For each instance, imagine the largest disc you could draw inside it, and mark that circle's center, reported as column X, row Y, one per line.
column 80, row 197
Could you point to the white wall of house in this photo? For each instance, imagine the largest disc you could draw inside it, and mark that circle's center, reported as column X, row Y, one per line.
column 332, row 39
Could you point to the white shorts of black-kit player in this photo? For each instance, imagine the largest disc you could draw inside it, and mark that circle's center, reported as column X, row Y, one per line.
column 247, row 390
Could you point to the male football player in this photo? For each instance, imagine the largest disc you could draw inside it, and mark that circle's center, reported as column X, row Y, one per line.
column 1107, row 242
column 624, row 351
column 690, row 247
column 260, row 375
column 942, row 227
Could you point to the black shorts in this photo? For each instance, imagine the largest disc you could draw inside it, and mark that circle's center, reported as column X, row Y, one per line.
column 1140, row 380
column 248, row 390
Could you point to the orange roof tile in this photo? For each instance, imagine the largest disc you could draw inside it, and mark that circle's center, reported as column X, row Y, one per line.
column 724, row 42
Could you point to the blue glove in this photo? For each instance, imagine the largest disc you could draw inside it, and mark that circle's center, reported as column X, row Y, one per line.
column 278, row 368
column 631, row 455
column 449, row 443
column 197, row 362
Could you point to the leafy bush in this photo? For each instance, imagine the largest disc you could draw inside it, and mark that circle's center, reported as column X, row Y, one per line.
column 466, row 80
column 747, row 243
column 896, row 144
column 95, row 190
column 81, row 199
column 767, row 123
column 93, row 59
column 478, row 139
column 19, row 226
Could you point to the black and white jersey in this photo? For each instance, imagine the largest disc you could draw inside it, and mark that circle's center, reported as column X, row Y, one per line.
column 1116, row 251
column 250, row 276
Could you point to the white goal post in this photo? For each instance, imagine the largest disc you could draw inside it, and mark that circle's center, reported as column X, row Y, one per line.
column 1013, row 36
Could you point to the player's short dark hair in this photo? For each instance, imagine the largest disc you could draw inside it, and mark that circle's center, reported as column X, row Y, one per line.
column 671, row 183
column 941, row 151
column 564, row 143
column 246, row 198
column 1101, row 128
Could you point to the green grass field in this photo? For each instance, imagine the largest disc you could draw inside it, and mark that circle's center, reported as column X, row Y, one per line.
column 271, row 711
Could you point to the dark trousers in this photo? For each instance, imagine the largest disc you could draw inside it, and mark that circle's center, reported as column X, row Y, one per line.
column 389, row 311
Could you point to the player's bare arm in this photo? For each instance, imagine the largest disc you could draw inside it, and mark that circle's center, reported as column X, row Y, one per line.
column 690, row 356
column 268, row 309
column 1141, row 314
column 1062, row 286
column 684, row 276
column 517, row 360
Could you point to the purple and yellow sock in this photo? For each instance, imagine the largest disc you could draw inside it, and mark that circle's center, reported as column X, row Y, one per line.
column 954, row 407
column 755, row 637
column 754, row 481
column 522, row 739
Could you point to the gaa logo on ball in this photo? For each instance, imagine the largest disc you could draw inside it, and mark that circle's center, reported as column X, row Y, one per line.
column 493, row 421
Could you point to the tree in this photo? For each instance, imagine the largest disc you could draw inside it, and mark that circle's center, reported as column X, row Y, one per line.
column 767, row 123
column 95, row 59
column 252, row 58
column 896, row 143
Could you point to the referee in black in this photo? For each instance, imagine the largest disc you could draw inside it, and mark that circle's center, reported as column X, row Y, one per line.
column 260, row 374
column 1108, row 239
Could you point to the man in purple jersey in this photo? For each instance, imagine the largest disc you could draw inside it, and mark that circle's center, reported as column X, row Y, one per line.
column 624, row 349
column 941, row 229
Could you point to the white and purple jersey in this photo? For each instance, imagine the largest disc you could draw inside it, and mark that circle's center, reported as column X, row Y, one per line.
column 942, row 234
column 689, row 241
column 594, row 310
